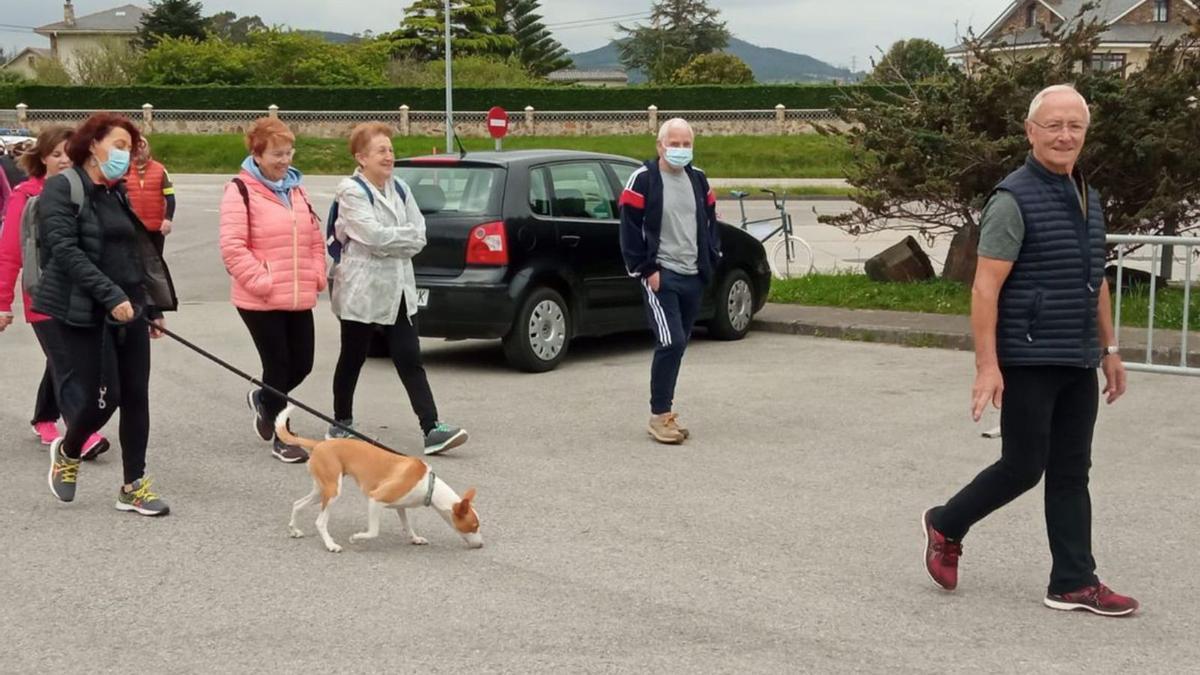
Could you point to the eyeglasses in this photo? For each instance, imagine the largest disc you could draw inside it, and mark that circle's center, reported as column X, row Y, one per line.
column 1056, row 128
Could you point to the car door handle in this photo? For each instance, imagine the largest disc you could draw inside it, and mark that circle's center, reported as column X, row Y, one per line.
column 571, row 240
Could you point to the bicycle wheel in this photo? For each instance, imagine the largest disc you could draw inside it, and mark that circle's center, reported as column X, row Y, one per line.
column 791, row 257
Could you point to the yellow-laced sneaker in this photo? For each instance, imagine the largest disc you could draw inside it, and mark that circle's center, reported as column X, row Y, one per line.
column 63, row 472
column 141, row 499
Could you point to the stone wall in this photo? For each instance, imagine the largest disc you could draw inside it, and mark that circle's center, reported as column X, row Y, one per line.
column 529, row 122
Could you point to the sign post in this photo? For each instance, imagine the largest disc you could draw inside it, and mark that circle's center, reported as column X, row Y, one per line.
column 497, row 125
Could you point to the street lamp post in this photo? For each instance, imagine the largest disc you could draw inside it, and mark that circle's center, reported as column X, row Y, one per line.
column 449, row 86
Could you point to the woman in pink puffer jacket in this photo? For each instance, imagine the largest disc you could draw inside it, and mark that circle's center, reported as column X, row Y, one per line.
column 274, row 251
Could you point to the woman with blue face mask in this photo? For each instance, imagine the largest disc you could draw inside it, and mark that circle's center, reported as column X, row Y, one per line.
column 105, row 287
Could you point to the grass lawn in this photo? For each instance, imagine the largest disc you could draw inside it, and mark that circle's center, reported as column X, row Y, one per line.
column 856, row 291
column 802, row 156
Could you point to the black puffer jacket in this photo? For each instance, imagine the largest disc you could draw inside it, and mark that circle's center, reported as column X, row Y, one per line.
column 75, row 287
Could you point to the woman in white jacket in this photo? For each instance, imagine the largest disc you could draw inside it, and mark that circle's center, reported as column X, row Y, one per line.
column 381, row 229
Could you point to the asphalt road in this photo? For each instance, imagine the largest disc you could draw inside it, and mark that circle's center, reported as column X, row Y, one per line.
column 782, row 538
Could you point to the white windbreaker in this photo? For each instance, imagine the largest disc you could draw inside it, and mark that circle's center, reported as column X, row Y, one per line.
column 380, row 240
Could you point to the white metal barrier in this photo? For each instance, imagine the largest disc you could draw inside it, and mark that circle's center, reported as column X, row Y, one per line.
column 1156, row 244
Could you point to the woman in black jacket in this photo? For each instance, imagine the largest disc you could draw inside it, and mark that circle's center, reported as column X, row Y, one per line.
column 105, row 286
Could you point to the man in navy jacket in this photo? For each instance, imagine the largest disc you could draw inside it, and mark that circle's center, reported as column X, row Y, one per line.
column 670, row 243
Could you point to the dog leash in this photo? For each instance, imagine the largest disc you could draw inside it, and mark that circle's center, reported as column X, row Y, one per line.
column 255, row 381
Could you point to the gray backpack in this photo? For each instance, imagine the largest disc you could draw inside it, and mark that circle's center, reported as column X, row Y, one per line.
column 31, row 257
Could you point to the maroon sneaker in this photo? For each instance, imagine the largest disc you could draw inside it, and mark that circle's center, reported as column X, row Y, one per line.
column 941, row 556
column 1098, row 599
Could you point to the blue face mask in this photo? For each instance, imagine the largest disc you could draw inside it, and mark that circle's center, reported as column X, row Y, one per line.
column 116, row 165
column 678, row 157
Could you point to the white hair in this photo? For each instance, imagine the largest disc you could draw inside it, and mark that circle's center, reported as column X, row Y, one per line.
column 1038, row 100
column 674, row 122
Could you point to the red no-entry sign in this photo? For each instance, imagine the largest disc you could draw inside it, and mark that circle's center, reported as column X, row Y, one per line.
column 497, row 122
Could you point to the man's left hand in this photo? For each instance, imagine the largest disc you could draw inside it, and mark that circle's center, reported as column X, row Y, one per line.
column 156, row 326
column 1114, row 377
column 166, row 227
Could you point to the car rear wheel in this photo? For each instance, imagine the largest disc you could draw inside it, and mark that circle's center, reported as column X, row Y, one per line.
column 734, row 307
column 540, row 334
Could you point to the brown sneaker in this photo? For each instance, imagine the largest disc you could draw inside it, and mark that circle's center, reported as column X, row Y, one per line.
column 664, row 430
column 674, row 421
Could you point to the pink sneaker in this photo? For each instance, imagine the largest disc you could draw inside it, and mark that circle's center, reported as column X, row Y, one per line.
column 46, row 431
column 96, row 445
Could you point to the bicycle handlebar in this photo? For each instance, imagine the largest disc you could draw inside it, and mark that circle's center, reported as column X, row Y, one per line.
column 775, row 198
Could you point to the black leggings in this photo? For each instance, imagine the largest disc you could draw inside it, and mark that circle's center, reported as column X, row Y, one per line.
column 405, row 347
column 45, row 408
column 285, row 343
column 1046, row 422
column 98, row 369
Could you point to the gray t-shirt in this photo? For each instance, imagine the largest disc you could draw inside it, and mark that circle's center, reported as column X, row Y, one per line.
column 677, row 243
column 1002, row 229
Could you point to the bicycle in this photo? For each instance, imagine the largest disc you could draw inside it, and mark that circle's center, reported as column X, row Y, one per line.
column 791, row 256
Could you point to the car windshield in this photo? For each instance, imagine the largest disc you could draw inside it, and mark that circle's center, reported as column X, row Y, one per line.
column 454, row 190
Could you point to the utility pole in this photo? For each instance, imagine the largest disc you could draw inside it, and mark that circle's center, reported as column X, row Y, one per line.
column 449, row 86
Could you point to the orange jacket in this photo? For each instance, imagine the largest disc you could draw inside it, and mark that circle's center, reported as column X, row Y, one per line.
column 148, row 192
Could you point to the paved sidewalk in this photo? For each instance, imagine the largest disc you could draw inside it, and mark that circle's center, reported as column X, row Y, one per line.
column 942, row 331
column 772, row 182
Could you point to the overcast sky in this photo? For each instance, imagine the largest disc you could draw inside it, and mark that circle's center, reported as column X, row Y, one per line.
column 841, row 33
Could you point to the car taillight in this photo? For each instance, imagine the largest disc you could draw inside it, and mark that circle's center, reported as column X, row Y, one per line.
column 487, row 245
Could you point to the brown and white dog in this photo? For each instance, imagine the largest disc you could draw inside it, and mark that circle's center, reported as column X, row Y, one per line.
column 390, row 481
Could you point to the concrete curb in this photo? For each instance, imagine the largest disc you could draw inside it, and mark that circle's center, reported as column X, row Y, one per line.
column 935, row 331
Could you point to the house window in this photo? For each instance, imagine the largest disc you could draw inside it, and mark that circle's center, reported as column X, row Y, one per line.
column 1031, row 15
column 1162, row 11
column 1107, row 62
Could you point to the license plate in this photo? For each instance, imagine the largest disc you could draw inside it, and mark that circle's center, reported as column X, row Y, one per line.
column 422, row 297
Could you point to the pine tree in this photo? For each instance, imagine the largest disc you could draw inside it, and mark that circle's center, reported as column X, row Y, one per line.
column 475, row 29
column 171, row 18
column 536, row 47
column 679, row 31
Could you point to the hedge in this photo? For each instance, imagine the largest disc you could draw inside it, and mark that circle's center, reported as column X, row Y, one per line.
column 749, row 97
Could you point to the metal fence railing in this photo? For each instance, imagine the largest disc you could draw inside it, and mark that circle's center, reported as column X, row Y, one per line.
column 1156, row 243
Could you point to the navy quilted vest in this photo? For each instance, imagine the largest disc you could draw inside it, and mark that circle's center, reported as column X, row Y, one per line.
column 1048, row 304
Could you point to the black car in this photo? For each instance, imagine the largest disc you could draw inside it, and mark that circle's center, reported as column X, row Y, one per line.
column 524, row 246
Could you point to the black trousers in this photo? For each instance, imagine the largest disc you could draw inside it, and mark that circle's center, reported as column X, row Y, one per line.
column 404, row 344
column 285, row 342
column 1046, row 422
column 97, row 370
column 45, row 408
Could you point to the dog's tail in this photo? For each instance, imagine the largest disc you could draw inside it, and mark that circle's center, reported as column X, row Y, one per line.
column 285, row 435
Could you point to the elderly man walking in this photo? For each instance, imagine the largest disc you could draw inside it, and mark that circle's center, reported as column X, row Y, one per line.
column 1042, row 323
column 670, row 242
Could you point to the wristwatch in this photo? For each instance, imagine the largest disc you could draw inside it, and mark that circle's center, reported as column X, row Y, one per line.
column 1112, row 349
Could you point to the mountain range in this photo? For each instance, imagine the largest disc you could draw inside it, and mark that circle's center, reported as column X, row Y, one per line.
column 768, row 64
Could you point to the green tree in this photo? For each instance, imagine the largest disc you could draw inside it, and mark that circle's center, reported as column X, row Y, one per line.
column 911, row 61
column 12, row 77
column 51, row 72
column 475, row 28
column 183, row 61
column 232, row 28
column 715, row 68
column 536, row 47
column 171, row 18
column 114, row 62
column 679, row 31
column 469, row 71
column 927, row 158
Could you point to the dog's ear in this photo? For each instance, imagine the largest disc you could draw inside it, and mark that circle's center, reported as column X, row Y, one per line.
column 462, row 508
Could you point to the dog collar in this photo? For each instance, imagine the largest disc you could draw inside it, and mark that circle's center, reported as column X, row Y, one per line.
column 429, row 491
